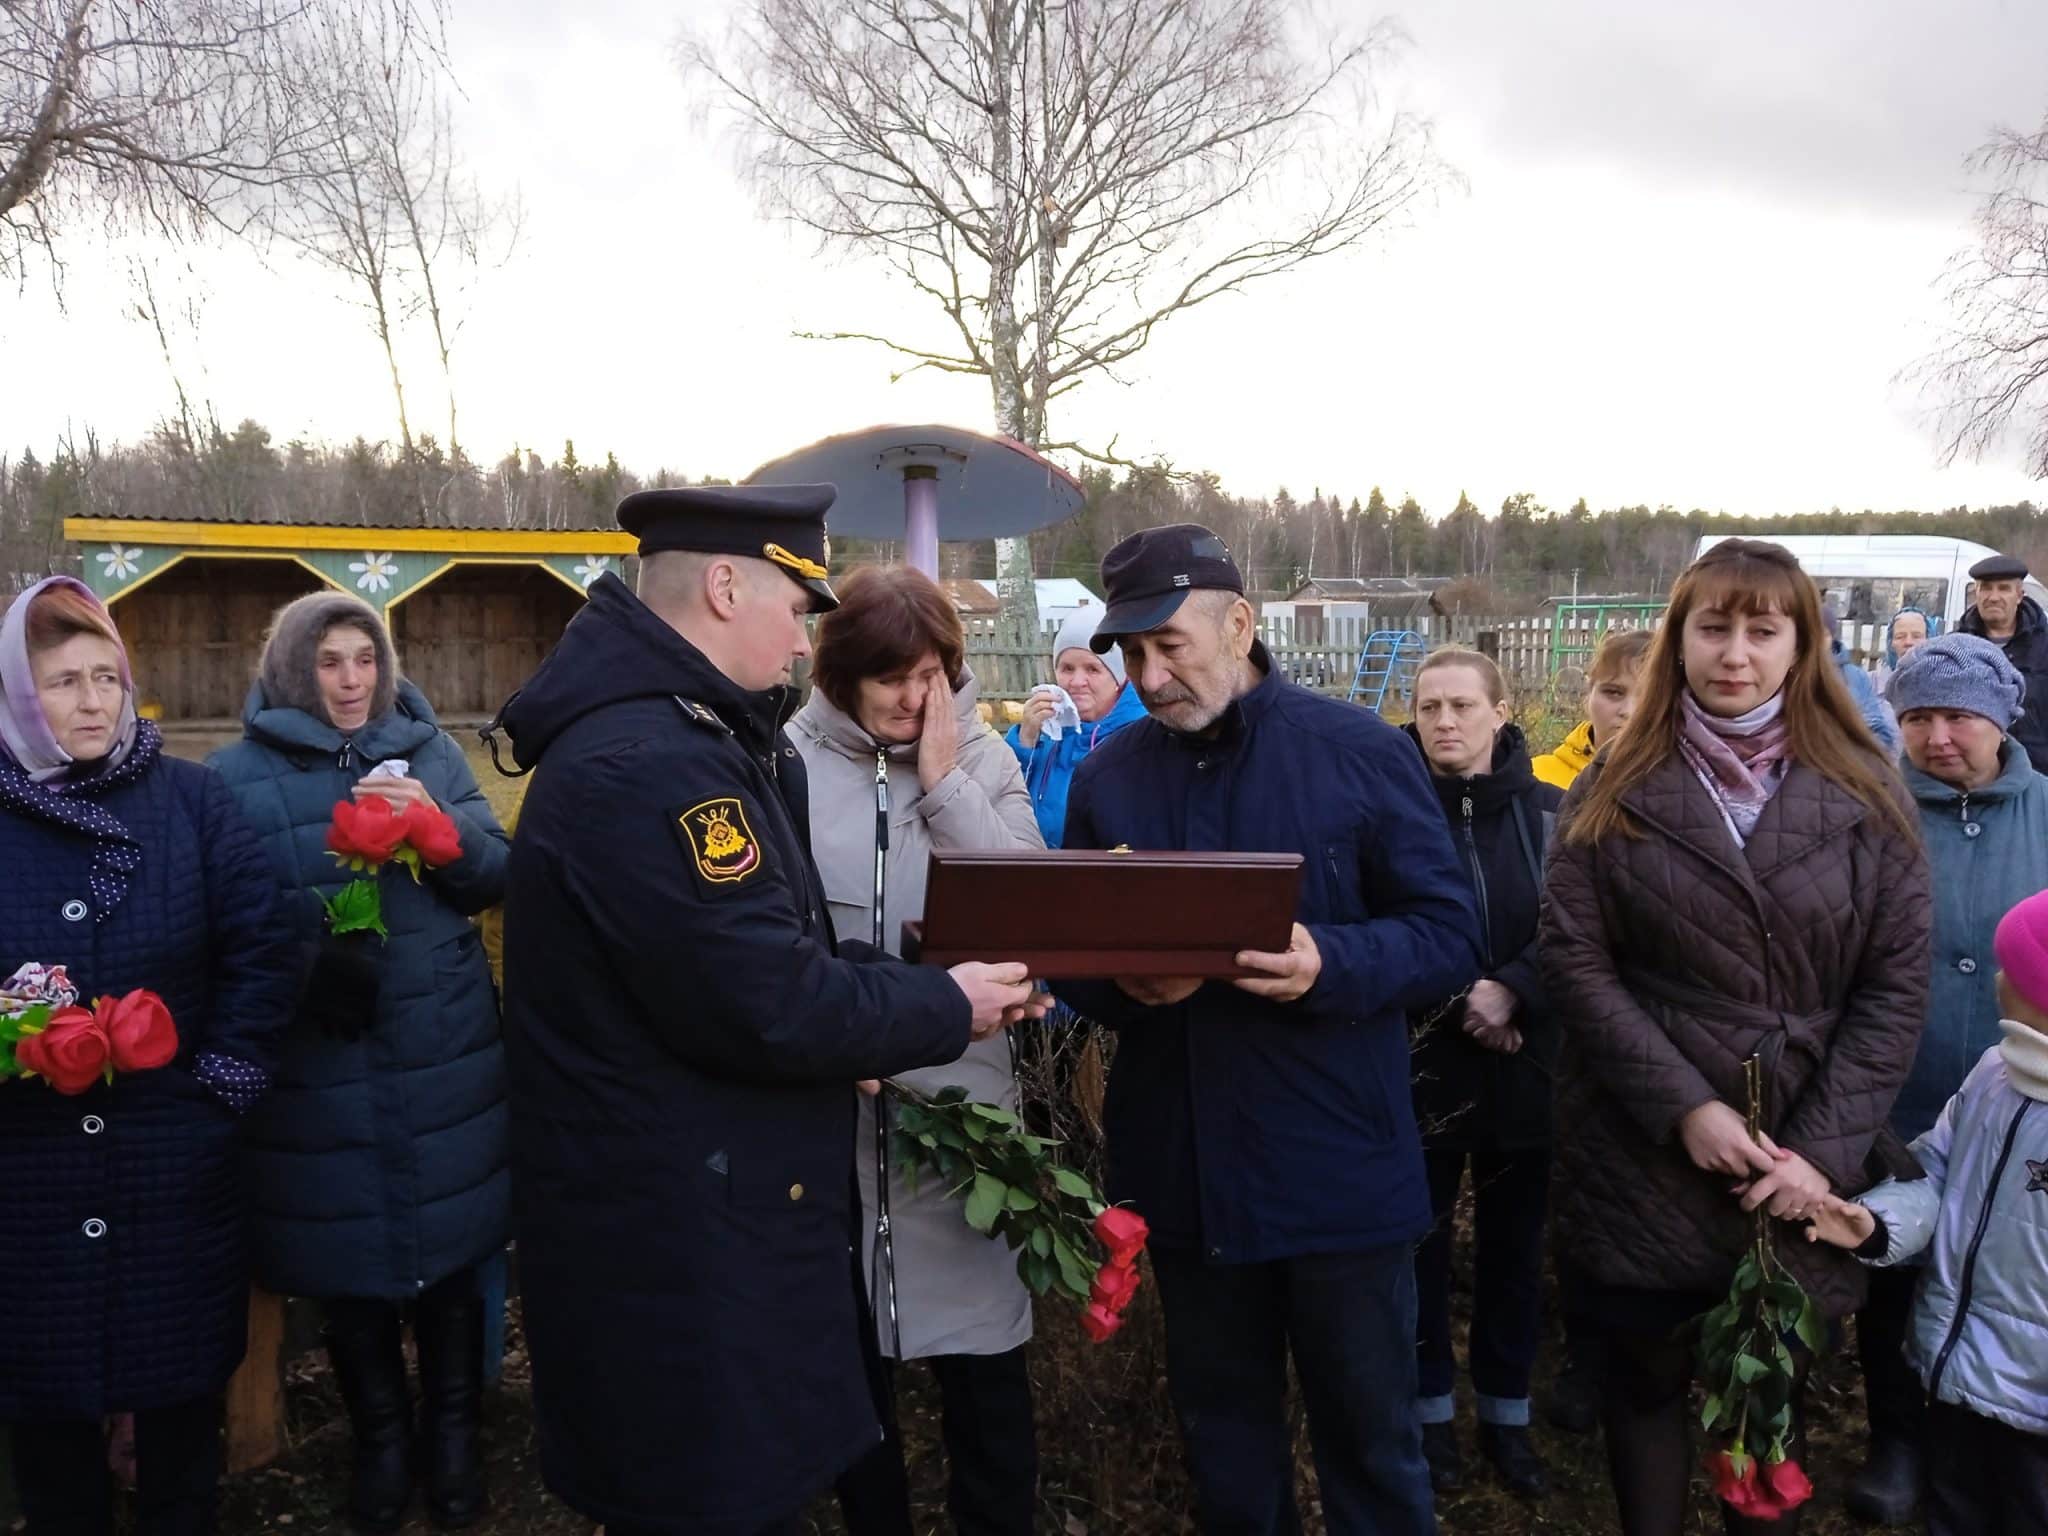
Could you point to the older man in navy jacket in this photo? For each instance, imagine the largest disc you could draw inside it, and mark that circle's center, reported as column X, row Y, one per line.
column 1265, row 1129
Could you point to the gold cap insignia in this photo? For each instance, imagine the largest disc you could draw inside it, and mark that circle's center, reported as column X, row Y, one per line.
column 810, row 570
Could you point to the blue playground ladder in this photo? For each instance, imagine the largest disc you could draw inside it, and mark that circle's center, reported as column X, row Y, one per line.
column 1388, row 662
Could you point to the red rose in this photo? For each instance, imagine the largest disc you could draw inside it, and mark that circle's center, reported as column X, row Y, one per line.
column 1122, row 1231
column 139, row 1031
column 1739, row 1490
column 433, row 835
column 1099, row 1321
column 1787, row 1483
column 70, row 1053
column 368, row 830
column 1115, row 1285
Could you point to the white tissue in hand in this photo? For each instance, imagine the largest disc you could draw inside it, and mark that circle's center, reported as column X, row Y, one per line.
column 1064, row 714
column 391, row 768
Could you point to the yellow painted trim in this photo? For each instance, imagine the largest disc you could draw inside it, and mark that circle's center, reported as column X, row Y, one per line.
column 446, row 566
column 179, row 559
column 455, row 541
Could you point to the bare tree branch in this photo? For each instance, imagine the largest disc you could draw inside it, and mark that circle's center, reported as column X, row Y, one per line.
column 1061, row 177
column 1989, row 376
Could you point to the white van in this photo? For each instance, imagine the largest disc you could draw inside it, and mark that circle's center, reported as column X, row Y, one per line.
column 1870, row 577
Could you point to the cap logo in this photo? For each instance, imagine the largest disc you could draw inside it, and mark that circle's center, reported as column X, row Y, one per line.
column 1183, row 580
column 810, row 570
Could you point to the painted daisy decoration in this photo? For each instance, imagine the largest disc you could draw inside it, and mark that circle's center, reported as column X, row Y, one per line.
column 593, row 567
column 374, row 573
column 119, row 563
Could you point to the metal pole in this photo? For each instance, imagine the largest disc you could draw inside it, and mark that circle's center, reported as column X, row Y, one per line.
column 921, row 519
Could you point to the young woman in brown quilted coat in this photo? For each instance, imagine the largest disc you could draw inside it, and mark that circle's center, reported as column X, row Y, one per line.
column 1741, row 876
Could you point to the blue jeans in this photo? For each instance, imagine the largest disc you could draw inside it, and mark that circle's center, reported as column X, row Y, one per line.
column 1350, row 1322
column 1510, row 1191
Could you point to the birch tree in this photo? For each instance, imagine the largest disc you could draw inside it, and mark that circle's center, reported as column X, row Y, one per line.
column 1057, row 179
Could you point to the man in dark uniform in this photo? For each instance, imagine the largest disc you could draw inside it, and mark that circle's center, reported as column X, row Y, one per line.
column 684, row 1036
column 2006, row 616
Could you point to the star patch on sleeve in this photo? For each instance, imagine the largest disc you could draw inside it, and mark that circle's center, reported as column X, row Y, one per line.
column 721, row 845
column 2037, row 1177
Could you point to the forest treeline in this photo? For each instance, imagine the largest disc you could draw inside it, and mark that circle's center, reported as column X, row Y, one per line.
column 1516, row 553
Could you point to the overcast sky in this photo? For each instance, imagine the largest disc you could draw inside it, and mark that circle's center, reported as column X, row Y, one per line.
column 1696, row 245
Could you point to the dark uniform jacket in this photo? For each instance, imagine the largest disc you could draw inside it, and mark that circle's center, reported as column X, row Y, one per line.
column 1672, row 958
column 1257, row 1130
column 1465, row 1094
column 2028, row 651
column 683, row 1040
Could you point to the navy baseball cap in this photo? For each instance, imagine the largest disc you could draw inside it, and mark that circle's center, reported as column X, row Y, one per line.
column 1149, row 575
column 782, row 524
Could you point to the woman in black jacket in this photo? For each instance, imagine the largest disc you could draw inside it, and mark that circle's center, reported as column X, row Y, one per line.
column 1483, row 1063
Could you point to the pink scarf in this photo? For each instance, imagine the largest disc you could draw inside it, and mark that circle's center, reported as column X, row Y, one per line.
column 1741, row 761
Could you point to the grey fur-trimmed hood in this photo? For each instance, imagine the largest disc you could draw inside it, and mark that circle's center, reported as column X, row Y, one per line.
column 287, row 672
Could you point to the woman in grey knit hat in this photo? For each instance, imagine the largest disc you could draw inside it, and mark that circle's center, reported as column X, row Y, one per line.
column 1984, row 816
column 378, row 1166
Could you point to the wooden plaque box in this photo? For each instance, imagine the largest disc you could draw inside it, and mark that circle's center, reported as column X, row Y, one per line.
column 1082, row 914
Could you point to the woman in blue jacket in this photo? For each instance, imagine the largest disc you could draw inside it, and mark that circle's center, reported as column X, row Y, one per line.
column 123, row 1253
column 1050, row 753
column 379, row 1165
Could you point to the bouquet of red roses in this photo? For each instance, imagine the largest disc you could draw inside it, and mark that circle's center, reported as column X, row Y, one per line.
column 44, row 1033
column 1017, row 1190
column 367, row 834
column 1746, row 1362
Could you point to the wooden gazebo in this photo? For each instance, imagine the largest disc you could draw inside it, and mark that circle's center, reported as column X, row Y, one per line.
column 472, row 610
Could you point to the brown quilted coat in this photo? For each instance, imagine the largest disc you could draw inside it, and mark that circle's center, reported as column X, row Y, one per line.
column 1674, row 957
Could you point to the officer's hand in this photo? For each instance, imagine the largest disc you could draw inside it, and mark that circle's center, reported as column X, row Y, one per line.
column 1291, row 972
column 1159, row 991
column 870, row 1086
column 999, row 994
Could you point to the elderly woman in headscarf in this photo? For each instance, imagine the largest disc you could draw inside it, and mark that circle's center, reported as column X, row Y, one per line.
column 1909, row 629
column 1050, row 751
column 122, row 1246
column 379, row 1165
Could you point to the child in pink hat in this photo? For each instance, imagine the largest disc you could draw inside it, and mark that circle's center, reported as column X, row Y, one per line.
column 1980, row 1313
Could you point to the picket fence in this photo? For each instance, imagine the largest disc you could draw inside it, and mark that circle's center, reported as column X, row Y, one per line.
column 1010, row 659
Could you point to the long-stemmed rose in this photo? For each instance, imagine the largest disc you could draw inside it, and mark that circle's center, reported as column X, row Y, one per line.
column 364, row 836
column 1746, row 1361
column 1014, row 1188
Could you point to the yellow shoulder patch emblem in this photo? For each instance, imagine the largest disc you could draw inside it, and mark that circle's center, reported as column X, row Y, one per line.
column 720, row 840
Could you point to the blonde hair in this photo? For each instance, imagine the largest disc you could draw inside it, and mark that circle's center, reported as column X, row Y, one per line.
column 1458, row 656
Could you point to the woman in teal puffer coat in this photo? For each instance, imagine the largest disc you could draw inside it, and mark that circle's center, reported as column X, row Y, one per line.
column 378, row 1166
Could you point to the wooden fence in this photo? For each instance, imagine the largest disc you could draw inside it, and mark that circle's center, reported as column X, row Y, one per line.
column 1323, row 653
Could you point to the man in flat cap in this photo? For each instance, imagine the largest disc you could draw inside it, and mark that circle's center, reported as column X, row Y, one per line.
column 1265, row 1128
column 684, row 1036
column 2006, row 616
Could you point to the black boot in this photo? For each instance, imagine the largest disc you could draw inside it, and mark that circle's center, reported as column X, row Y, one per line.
column 1446, row 1461
column 369, row 1365
column 1886, row 1491
column 1573, row 1403
column 1514, row 1459
column 450, row 1328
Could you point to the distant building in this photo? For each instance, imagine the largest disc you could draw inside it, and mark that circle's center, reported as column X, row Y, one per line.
column 1058, row 597
column 1380, row 602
